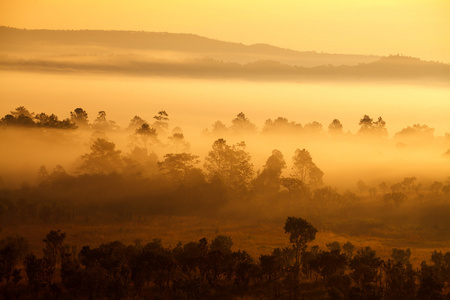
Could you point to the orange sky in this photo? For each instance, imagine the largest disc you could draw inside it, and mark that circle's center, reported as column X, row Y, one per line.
column 419, row 28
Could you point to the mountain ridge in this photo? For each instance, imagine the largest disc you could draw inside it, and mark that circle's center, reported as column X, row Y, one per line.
column 193, row 56
column 178, row 42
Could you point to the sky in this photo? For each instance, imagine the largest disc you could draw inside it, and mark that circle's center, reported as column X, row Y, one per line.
column 418, row 28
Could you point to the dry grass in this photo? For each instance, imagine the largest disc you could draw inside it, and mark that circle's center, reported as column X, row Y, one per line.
column 254, row 237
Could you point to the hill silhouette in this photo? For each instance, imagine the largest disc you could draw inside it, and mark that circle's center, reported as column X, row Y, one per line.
column 192, row 56
column 100, row 41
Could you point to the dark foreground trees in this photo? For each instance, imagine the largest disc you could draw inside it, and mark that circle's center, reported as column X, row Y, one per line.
column 205, row 270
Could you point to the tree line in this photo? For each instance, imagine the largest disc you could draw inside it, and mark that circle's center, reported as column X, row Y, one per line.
column 178, row 183
column 205, row 269
column 22, row 117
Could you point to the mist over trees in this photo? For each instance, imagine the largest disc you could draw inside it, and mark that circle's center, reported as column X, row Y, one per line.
column 156, row 174
column 219, row 170
column 21, row 117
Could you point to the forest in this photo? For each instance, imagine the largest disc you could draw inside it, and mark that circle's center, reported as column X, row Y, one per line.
column 289, row 150
column 104, row 176
column 205, row 270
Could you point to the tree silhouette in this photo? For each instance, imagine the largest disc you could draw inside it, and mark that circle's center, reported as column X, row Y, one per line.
column 102, row 124
column 22, row 111
column 12, row 250
column 396, row 197
column 416, row 131
column 446, row 188
column 222, row 243
column 52, row 121
column 362, row 186
column 348, row 248
column 335, row 127
column 231, row 164
column 365, row 270
column 313, row 128
column 435, row 187
column 408, row 183
column 334, row 246
column 372, row 191
column 366, row 124
column 219, row 129
column 281, row 125
column 370, row 127
column 177, row 143
column 107, row 270
column 269, row 180
column 146, row 130
column 270, row 267
column 430, row 285
column 300, row 232
column 326, row 198
column 21, row 120
column 401, row 256
column 162, row 122
column 383, row 187
column 294, row 186
column 177, row 167
column 197, row 270
column 52, row 253
column 146, row 136
column 34, row 269
column 140, row 162
column 331, row 263
column 80, row 117
column 399, row 280
column 305, row 169
column 103, row 158
column 135, row 123
column 241, row 124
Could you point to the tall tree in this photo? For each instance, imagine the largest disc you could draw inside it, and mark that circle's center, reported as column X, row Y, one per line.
column 140, row 162
column 300, row 232
column 145, row 136
column 178, row 166
column 177, row 143
column 241, row 124
column 231, row 164
column 305, row 169
column 417, row 131
column 335, row 127
column 365, row 266
column 103, row 158
column 19, row 117
column 101, row 123
column 22, row 111
column 162, row 122
column 281, row 125
column 313, row 128
column 80, row 117
column 135, row 123
column 269, row 180
column 371, row 127
column 52, row 253
column 52, row 121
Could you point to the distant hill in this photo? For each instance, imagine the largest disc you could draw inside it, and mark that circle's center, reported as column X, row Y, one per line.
column 192, row 56
column 100, row 42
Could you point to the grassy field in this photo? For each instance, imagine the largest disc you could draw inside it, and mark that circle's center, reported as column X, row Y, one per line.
column 255, row 237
